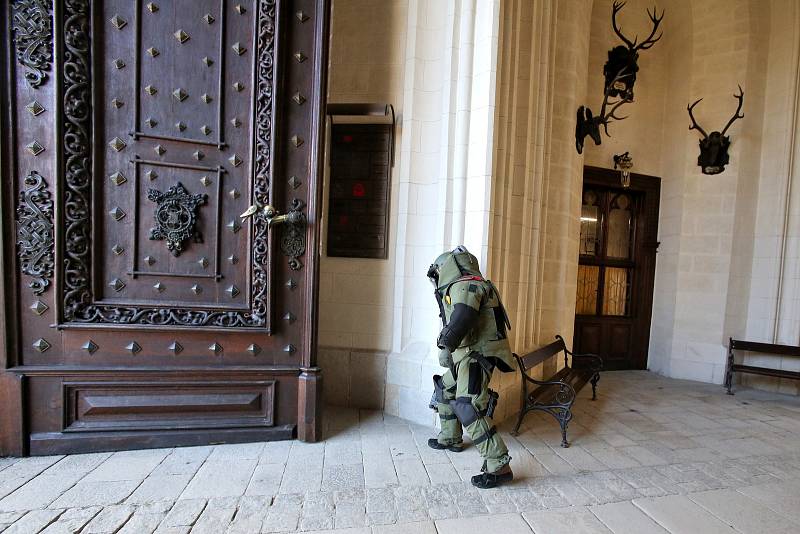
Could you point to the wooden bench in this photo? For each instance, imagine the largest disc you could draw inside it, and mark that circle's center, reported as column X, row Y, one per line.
column 765, row 348
column 557, row 394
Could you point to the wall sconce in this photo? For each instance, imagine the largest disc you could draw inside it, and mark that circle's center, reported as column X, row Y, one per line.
column 625, row 163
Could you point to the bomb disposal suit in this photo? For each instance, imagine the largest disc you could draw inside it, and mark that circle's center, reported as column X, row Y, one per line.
column 472, row 344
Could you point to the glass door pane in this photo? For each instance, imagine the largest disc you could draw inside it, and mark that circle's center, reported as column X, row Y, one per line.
column 620, row 227
column 586, row 300
column 617, row 291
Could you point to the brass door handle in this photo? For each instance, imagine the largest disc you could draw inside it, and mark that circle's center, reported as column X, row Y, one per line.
column 272, row 216
column 293, row 238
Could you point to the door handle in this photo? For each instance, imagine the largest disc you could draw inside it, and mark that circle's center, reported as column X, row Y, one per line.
column 293, row 240
column 272, row 216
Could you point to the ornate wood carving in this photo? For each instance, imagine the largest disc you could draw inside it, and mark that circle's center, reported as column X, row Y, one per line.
column 293, row 242
column 263, row 170
column 79, row 303
column 35, row 232
column 33, row 38
column 176, row 216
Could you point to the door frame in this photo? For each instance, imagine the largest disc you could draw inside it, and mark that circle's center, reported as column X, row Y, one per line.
column 645, row 251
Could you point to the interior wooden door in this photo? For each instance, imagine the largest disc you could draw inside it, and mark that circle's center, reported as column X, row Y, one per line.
column 616, row 270
column 142, row 311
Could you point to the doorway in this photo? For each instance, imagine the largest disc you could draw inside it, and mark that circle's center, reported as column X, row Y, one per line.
column 616, row 267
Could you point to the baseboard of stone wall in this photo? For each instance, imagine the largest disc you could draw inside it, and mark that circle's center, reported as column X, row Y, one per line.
column 355, row 378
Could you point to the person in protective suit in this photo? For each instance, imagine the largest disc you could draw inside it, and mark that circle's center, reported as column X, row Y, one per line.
column 472, row 343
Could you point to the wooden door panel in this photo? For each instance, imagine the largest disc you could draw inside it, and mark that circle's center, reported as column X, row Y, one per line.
column 127, row 405
column 144, row 302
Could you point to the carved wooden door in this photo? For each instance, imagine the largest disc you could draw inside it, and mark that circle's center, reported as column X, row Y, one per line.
column 141, row 310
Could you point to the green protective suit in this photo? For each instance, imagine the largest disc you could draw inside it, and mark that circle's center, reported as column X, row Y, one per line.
column 474, row 332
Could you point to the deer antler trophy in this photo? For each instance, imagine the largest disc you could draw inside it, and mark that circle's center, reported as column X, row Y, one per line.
column 590, row 125
column 714, row 146
column 626, row 56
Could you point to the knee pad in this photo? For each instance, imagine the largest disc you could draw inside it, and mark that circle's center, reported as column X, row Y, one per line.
column 464, row 410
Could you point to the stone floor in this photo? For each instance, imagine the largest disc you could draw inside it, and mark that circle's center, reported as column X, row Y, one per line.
column 650, row 455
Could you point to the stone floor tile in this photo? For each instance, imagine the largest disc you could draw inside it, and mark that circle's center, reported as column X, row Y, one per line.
column 443, row 473
column 356, row 530
column 416, row 527
column 679, row 515
column 580, row 459
column 34, row 521
column 39, row 492
column 614, row 458
column 127, row 466
column 282, row 518
column 159, row 488
column 779, row 496
column 555, row 464
column 642, row 455
column 109, row 520
column 302, row 478
column 236, row 452
column 142, row 522
column 744, row 514
column 568, row 521
column 182, row 461
column 505, row 523
column 625, row 518
column 19, row 473
column 220, row 479
column 72, row 521
column 266, row 479
column 411, row 472
column 350, row 515
column 342, row 476
column 379, row 470
column 94, row 493
column 184, row 513
column 216, row 517
column 275, row 452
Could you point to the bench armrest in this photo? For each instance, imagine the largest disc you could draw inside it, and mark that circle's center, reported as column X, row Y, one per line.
column 596, row 361
column 566, row 393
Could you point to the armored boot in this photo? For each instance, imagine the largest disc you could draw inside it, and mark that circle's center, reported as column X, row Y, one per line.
column 450, row 438
column 492, row 480
column 433, row 443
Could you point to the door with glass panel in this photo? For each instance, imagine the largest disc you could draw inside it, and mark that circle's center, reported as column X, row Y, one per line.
column 613, row 303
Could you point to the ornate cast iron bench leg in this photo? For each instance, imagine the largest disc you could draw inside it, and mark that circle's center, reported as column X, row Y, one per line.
column 595, row 380
column 564, row 417
column 521, row 416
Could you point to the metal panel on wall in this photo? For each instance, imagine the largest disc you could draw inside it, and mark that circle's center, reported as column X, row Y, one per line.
column 139, row 131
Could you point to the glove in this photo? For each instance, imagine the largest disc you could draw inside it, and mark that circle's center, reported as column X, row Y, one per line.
column 445, row 358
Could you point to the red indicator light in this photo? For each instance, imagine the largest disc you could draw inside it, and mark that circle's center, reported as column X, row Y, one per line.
column 359, row 190
column 347, row 138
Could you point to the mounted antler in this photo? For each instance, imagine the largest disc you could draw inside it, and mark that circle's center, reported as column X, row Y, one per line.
column 647, row 43
column 626, row 56
column 714, row 146
column 588, row 124
column 737, row 115
column 605, row 118
column 694, row 125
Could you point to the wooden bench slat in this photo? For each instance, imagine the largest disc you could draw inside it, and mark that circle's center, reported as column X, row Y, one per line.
column 577, row 378
column 767, row 348
column 766, row 371
column 536, row 357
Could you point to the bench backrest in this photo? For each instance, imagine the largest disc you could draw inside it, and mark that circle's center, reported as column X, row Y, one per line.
column 532, row 359
column 767, row 348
